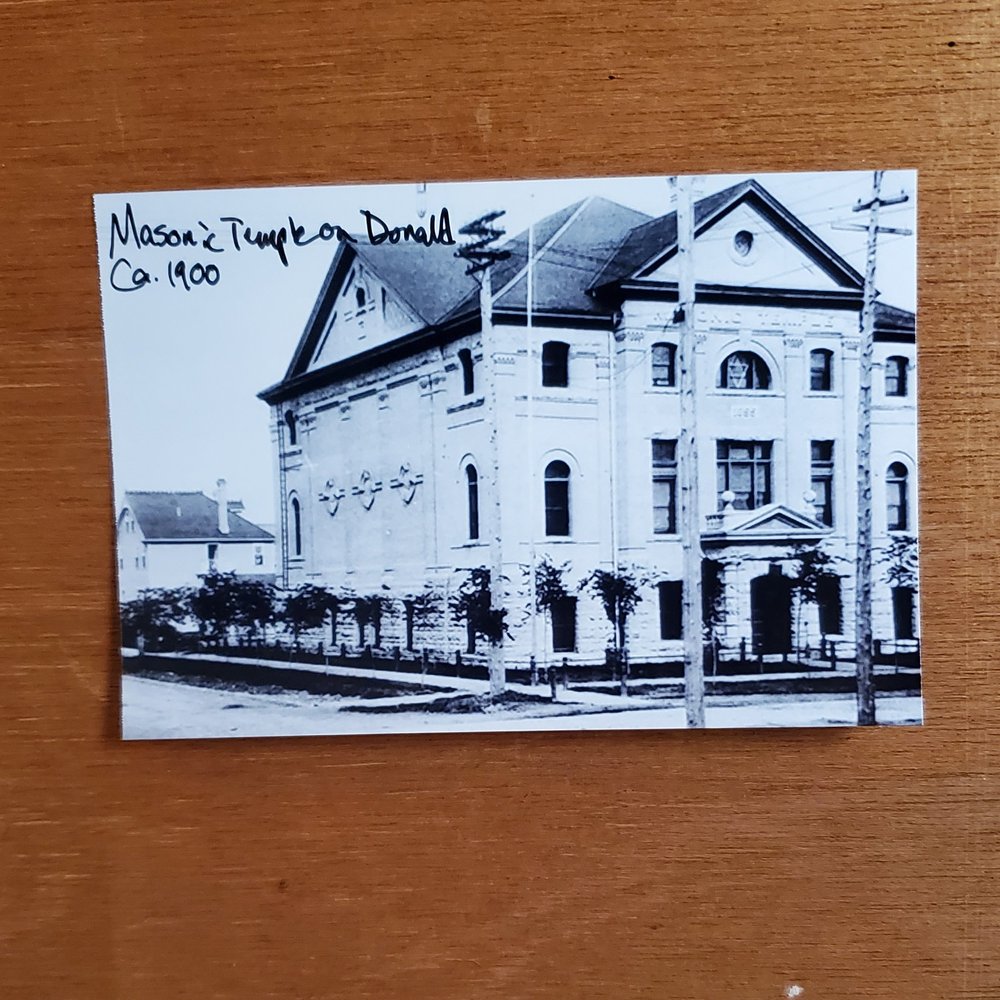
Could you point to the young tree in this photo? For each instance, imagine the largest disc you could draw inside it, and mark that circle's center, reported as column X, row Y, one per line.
column 372, row 609
column 362, row 615
column 305, row 609
column 471, row 606
column 153, row 617
column 549, row 587
column 619, row 593
column 257, row 606
column 216, row 605
column 901, row 557
column 814, row 566
column 423, row 607
column 713, row 604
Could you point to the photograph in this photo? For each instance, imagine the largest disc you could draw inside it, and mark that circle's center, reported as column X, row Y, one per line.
column 527, row 455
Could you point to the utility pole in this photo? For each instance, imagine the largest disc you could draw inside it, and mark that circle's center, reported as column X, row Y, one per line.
column 687, row 465
column 863, row 570
column 482, row 255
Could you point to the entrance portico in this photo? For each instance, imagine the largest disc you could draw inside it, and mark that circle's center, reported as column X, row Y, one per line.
column 756, row 555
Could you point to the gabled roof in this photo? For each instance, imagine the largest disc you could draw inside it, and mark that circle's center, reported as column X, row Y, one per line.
column 584, row 253
column 647, row 246
column 572, row 248
column 190, row 517
column 431, row 280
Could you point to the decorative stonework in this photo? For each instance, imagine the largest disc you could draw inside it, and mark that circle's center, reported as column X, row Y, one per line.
column 331, row 496
column 852, row 344
column 383, row 398
column 367, row 489
column 406, row 483
column 794, row 343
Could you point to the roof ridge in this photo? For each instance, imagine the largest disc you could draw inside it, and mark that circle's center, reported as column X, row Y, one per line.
column 170, row 493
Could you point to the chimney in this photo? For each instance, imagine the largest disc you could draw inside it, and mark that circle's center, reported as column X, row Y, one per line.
column 223, row 505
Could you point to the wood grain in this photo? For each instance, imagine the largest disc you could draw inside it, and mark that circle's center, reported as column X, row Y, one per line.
column 674, row 865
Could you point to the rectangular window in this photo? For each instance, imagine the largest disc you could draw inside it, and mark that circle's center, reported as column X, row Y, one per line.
column 822, row 480
column 212, row 552
column 744, row 468
column 895, row 376
column 555, row 364
column 831, row 611
column 671, row 609
column 564, row 625
column 258, row 556
column 664, row 487
column 820, row 371
column 896, row 506
column 902, row 612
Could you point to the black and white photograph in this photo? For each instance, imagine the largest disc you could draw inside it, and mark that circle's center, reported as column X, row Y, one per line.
column 606, row 453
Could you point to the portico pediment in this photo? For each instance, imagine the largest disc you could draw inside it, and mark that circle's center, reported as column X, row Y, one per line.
column 772, row 523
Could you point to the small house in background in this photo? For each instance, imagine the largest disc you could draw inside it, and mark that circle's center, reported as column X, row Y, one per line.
column 168, row 539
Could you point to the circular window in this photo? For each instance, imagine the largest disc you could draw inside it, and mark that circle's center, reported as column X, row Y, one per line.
column 743, row 242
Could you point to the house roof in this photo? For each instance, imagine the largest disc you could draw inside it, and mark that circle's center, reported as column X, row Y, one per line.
column 892, row 323
column 431, row 280
column 583, row 253
column 656, row 240
column 194, row 517
column 572, row 248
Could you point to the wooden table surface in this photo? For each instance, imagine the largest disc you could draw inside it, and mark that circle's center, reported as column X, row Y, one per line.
column 662, row 865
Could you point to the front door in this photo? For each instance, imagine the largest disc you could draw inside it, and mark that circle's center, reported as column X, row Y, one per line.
column 771, row 612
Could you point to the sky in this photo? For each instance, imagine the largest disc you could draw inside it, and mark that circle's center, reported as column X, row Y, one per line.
column 185, row 366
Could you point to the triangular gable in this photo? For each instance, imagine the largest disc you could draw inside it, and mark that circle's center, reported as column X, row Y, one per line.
column 646, row 253
column 423, row 286
column 363, row 313
column 775, row 522
column 747, row 246
column 774, row 517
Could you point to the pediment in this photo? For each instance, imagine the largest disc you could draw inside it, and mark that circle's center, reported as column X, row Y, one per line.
column 775, row 522
column 364, row 313
column 750, row 246
column 779, row 517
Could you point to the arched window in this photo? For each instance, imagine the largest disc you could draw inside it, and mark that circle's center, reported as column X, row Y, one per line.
column 292, row 423
column 896, row 488
column 895, row 376
column 664, row 357
column 821, row 370
column 472, row 490
column 468, row 374
column 296, row 527
column 361, row 296
column 555, row 363
column 744, row 370
column 557, row 499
